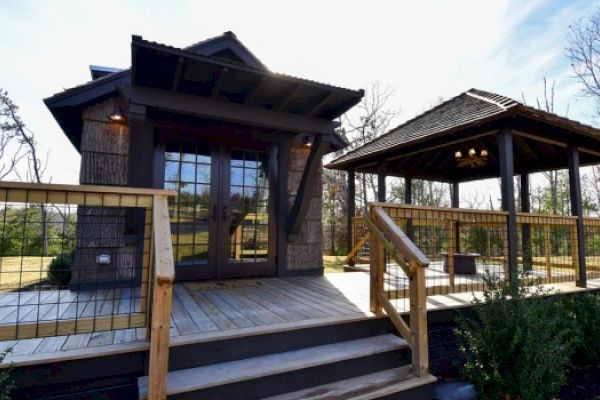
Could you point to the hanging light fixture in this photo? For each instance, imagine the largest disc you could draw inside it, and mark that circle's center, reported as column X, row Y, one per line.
column 472, row 160
column 307, row 141
column 116, row 115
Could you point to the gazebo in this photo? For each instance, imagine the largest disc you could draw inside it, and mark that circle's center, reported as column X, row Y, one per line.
column 478, row 135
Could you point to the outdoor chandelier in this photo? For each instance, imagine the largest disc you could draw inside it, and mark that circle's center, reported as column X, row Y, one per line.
column 472, row 159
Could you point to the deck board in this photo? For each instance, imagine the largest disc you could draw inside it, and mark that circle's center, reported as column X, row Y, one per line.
column 212, row 311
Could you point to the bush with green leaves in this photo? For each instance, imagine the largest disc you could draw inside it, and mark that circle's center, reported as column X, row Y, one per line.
column 7, row 384
column 59, row 269
column 583, row 311
column 515, row 347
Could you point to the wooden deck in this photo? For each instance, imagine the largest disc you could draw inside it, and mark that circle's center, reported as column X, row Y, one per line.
column 204, row 311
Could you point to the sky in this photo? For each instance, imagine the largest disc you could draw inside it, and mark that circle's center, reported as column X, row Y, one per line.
column 425, row 50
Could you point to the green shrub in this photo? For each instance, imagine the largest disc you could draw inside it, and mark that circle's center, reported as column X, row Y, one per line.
column 515, row 347
column 6, row 383
column 59, row 269
column 584, row 313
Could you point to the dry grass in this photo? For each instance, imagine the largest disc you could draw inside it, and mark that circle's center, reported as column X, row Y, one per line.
column 333, row 264
column 16, row 272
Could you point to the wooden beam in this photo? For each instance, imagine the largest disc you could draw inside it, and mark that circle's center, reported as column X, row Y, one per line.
column 281, row 194
column 220, row 74
column 306, row 188
column 231, row 112
column 505, row 153
column 177, row 74
column 317, row 108
column 576, row 210
column 381, row 189
column 350, row 212
column 455, row 190
column 290, row 96
column 252, row 93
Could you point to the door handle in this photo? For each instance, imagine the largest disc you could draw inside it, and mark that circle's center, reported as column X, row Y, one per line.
column 224, row 213
column 213, row 215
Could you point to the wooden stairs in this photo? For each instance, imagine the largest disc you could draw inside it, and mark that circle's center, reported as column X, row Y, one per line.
column 349, row 360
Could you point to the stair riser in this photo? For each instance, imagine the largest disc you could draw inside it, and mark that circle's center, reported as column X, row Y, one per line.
column 296, row 380
column 424, row 392
column 196, row 355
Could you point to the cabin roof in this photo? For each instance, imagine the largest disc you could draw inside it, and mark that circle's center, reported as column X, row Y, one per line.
column 462, row 119
column 220, row 68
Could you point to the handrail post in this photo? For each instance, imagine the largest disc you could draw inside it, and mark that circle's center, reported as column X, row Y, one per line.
column 418, row 321
column 161, row 300
column 377, row 261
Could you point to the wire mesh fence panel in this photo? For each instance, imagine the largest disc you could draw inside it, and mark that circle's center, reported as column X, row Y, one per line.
column 547, row 248
column 465, row 246
column 72, row 261
column 592, row 247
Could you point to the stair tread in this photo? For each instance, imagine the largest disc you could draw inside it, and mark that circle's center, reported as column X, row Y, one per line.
column 198, row 378
column 363, row 387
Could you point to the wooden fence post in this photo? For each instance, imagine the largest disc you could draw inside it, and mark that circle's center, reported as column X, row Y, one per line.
column 547, row 251
column 377, row 260
column 418, row 321
column 161, row 301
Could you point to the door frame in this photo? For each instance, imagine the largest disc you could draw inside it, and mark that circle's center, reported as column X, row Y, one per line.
column 215, row 268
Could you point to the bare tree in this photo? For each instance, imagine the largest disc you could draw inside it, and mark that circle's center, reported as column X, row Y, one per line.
column 583, row 50
column 13, row 128
column 374, row 118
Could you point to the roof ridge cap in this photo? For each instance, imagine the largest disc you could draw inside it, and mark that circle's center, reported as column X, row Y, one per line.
column 488, row 100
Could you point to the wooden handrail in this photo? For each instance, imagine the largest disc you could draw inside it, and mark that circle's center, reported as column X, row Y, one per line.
column 386, row 234
column 403, row 244
column 53, row 187
column 162, row 300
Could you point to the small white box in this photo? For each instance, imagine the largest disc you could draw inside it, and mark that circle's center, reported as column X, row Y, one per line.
column 103, row 259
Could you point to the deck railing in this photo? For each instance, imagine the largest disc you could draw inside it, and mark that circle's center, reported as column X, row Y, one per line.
column 464, row 245
column 387, row 238
column 85, row 259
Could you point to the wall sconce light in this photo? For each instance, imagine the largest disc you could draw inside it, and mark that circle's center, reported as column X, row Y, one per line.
column 116, row 115
column 307, row 141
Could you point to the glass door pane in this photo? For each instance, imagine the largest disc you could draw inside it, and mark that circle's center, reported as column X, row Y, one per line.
column 188, row 172
column 248, row 230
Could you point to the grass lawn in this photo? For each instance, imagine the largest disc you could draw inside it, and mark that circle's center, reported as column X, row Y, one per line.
column 333, row 263
column 18, row 272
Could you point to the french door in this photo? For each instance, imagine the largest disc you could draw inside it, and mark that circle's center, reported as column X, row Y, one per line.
column 220, row 219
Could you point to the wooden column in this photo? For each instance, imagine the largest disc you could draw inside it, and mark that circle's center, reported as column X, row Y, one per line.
column 408, row 200
column 526, row 228
column 455, row 195
column 505, row 154
column 350, row 213
column 281, row 201
column 141, row 148
column 408, row 190
column 381, row 189
column 377, row 261
column 456, row 204
column 576, row 210
column 418, row 321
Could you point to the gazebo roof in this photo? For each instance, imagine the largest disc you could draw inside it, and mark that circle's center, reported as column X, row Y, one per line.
column 423, row 147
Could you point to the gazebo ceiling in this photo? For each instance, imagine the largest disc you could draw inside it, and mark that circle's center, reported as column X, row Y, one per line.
column 424, row 147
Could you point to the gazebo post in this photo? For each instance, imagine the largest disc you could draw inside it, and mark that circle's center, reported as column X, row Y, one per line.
column 408, row 199
column 526, row 228
column 456, row 204
column 381, row 173
column 408, row 190
column 350, row 212
column 576, row 210
column 505, row 155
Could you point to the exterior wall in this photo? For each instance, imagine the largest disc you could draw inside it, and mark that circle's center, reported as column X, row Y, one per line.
column 104, row 158
column 306, row 253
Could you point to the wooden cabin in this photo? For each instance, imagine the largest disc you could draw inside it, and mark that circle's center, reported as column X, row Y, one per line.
column 241, row 146
column 188, row 262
